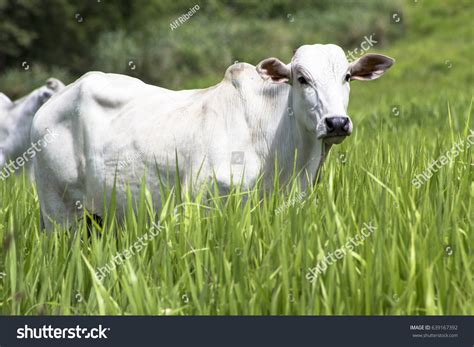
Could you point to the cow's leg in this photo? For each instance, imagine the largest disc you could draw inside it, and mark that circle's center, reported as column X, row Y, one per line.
column 2, row 158
column 97, row 219
column 42, row 225
column 57, row 208
column 58, row 182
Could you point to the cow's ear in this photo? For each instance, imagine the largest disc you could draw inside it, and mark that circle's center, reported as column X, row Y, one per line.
column 275, row 69
column 54, row 84
column 370, row 67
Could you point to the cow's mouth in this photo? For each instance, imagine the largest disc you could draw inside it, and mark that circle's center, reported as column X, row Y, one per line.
column 334, row 139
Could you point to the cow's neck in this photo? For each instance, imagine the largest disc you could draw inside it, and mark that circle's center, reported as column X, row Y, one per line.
column 26, row 105
column 279, row 136
column 21, row 116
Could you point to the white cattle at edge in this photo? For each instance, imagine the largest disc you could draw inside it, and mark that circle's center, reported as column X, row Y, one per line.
column 262, row 113
column 16, row 118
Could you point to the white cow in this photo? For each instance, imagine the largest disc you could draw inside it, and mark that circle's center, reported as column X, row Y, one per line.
column 15, row 124
column 112, row 126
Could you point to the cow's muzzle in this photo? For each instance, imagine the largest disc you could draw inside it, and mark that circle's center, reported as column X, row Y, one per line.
column 335, row 129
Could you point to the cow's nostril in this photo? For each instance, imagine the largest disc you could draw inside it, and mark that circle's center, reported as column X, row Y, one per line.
column 337, row 126
column 345, row 125
column 329, row 124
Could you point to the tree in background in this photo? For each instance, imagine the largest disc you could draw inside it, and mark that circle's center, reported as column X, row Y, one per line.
column 57, row 32
column 69, row 37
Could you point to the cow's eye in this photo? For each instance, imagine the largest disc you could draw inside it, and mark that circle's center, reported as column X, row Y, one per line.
column 348, row 77
column 302, row 80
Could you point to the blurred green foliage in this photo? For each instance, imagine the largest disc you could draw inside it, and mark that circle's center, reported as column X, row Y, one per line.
column 135, row 38
column 66, row 38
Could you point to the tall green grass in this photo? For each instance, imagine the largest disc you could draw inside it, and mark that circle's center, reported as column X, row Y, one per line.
column 239, row 256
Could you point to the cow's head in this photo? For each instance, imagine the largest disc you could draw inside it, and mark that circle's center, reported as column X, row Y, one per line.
column 27, row 106
column 51, row 87
column 320, row 76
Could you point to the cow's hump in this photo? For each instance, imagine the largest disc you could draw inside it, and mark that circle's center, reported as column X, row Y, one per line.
column 242, row 73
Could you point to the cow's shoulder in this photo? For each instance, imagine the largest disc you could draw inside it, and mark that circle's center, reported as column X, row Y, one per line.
column 107, row 89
